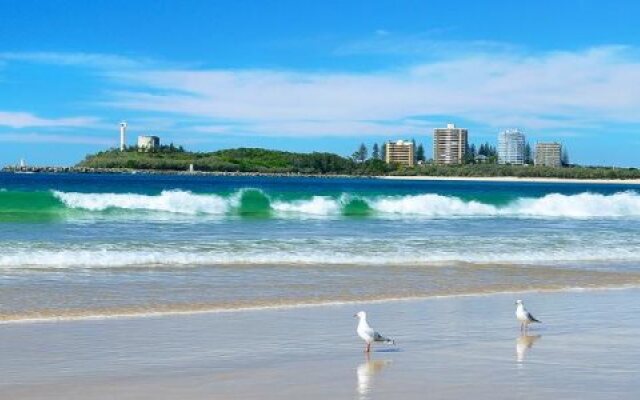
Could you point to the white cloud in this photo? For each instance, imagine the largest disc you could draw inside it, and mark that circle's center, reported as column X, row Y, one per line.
column 400, row 129
column 93, row 60
column 555, row 90
column 490, row 85
column 40, row 138
column 385, row 43
column 28, row 120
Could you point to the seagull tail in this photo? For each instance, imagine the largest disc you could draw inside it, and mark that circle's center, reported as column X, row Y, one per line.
column 533, row 319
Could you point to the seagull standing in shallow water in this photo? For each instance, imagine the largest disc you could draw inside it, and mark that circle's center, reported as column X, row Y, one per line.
column 368, row 334
column 524, row 316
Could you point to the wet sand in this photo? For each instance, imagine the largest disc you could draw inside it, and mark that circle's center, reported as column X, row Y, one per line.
column 448, row 348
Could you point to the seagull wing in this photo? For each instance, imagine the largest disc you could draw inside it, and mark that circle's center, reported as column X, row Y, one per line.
column 532, row 318
column 379, row 338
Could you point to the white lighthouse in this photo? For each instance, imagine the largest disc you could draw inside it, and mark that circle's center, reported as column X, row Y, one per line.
column 123, row 133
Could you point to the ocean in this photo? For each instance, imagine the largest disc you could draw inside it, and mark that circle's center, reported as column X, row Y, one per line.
column 82, row 246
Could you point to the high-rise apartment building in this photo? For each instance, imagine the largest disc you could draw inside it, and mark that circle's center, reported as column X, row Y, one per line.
column 511, row 144
column 549, row 154
column 400, row 152
column 449, row 145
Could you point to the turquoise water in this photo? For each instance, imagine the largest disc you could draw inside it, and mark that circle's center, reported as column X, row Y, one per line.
column 101, row 245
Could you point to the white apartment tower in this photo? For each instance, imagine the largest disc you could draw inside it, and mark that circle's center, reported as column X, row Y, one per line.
column 449, row 145
column 123, row 133
column 511, row 144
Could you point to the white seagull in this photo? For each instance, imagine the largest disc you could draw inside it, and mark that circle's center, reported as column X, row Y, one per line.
column 524, row 316
column 368, row 334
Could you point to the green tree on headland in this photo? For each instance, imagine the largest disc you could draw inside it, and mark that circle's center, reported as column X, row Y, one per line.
column 361, row 154
column 375, row 152
column 564, row 156
column 420, row 153
column 528, row 154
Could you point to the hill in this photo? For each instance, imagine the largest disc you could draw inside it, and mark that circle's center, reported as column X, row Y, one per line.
column 235, row 160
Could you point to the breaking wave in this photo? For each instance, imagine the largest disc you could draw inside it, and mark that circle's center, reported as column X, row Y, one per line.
column 167, row 201
column 583, row 205
column 253, row 202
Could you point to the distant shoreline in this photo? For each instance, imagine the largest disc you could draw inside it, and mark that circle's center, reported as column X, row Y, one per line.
column 124, row 171
column 510, row 179
column 504, row 179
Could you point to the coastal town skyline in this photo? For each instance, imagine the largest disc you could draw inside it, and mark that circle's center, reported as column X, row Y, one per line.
column 325, row 82
column 450, row 145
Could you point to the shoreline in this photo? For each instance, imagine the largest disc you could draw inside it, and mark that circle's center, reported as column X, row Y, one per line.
column 510, row 179
column 502, row 179
column 302, row 306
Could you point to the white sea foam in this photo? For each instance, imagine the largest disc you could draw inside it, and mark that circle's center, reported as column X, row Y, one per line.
column 174, row 201
column 270, row 255
column 583, row 205
column 316, row 206
column 432, row 205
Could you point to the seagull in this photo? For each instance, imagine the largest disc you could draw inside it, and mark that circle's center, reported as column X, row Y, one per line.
column 524, row 316
column 368, row 334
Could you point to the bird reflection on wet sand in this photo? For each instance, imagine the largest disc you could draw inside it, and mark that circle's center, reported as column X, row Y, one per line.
column 366, row 373
column 523, row 344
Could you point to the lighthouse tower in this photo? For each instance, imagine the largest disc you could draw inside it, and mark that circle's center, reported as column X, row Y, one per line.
column 123, row 133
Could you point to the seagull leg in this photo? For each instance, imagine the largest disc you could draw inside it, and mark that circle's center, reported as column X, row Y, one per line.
column 368, row 349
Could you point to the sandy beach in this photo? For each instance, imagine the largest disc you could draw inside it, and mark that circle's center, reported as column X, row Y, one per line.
column 513, row 179
column 173, row 287
column 452, row 347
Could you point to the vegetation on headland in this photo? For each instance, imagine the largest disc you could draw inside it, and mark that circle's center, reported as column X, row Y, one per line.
column 252, row 160
column 237, row 160
column 519, row 171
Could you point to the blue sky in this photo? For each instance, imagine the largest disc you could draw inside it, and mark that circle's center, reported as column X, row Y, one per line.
column 311, row 75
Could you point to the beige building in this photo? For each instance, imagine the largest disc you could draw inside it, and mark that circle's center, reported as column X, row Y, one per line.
column 548, row 154
column 449, row 145
column 400, row 152
column 148, row 143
